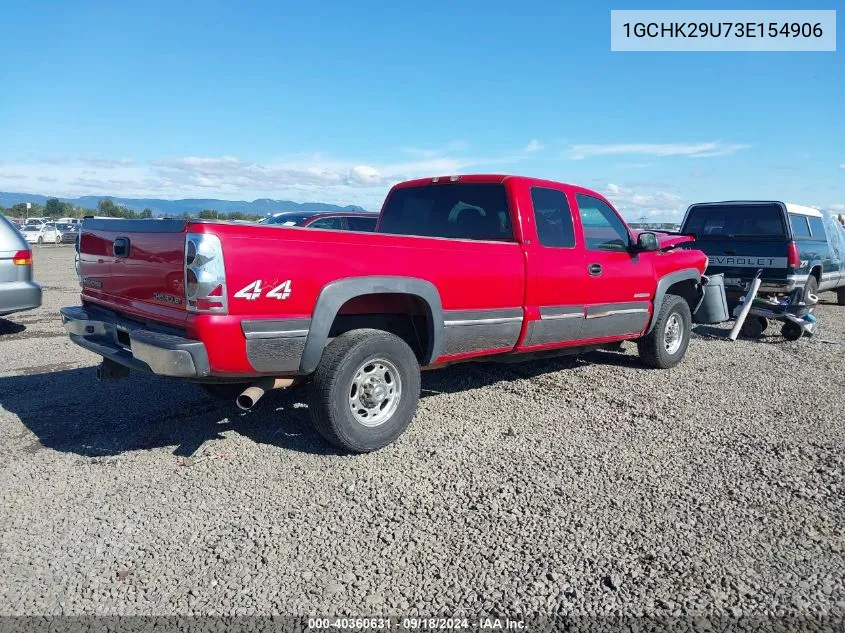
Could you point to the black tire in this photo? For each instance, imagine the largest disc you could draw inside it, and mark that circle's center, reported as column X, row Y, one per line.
column 40, row 240
column 332, row 386
column 791, row 331
column 223, row 390
column 812, row 288
column 652, row 348
column 753, row 327
column 840, row 296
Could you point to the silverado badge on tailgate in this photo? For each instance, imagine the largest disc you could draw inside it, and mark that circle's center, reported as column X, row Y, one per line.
column 162, row 296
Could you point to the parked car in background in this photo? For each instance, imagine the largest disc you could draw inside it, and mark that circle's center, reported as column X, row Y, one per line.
column 68, row 232
column 41, row 234
column 461, row 268
column 18, row 290
column 73, row 221
column 34, row 221
column 795, row 246
column 337, row 221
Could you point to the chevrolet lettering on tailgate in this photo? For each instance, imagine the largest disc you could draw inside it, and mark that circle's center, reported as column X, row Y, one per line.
column 739, row 261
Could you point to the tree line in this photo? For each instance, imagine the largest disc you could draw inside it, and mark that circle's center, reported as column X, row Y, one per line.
column 55, row 208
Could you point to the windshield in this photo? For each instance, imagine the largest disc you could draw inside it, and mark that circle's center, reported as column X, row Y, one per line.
column 29, row 227
column 288, row 219
column 730, row 220
column 64, row 227
column 472, row 211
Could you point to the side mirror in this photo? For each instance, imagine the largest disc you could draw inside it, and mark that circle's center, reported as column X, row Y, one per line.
column 648, row 241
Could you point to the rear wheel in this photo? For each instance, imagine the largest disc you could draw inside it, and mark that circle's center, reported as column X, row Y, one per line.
column 667, row 342
column 365, row 390
column 40, row 240
column 58, row 239
column 812, row 288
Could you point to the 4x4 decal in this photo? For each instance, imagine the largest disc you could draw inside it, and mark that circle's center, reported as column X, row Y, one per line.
column 253, row 291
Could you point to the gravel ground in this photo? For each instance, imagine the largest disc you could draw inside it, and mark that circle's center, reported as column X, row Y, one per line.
column 580, row 486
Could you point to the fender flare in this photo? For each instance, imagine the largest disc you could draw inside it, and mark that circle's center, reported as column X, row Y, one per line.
column 335, row 294
column 663, row 285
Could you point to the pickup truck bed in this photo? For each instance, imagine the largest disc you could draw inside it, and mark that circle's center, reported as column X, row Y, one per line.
column 458, row 268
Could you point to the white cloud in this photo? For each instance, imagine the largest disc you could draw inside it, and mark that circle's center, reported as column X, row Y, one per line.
column 842, row 166
column 107, row 163
column 452, row 146
column 302, row 177
column 533, row 146
column 638, row 202
column 691, row 150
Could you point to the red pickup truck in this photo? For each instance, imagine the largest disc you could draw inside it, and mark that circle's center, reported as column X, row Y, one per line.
column 459, row 268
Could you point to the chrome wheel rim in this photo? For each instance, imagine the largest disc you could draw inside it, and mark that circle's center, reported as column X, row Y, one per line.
column 673, row 334
column 375, row 392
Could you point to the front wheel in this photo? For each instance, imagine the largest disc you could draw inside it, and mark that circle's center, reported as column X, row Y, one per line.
column 840, row 296
column 365, row 390
column 40, row 241
column 667, row 342
column 58, row 240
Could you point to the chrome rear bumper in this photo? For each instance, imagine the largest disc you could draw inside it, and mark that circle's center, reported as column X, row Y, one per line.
column 133, row 345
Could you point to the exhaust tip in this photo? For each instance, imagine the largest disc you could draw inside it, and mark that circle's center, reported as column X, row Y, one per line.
column 251, row 395
column 244, row 402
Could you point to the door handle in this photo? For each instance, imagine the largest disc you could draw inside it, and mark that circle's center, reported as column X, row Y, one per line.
column 594, row 269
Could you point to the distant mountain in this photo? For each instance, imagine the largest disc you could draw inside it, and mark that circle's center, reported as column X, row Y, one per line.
column 261, row 206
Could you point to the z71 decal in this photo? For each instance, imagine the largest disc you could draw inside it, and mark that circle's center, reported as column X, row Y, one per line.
column 253, row 291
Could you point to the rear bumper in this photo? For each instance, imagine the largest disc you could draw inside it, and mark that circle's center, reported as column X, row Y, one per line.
column 771, row 286
column 16, row 296
column 134, row 346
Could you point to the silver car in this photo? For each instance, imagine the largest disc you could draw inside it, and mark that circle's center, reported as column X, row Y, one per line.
column 18, row 290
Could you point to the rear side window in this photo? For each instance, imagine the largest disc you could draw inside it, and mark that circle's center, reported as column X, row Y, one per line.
column 361, row 224
column 800, row 228
column 472, row 211
column 553, row 217
column 817, row 228
column 603, row 229
column 10, row 236
column 729, row 220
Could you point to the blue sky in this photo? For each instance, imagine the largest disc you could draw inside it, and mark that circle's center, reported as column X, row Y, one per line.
column 334, row 101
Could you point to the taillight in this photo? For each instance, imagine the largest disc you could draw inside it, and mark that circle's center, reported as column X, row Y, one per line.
column 205, row 274
column 794, row 257
column 22, row 258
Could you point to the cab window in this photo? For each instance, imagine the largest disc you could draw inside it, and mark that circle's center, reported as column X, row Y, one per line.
column 553, row 217
column 604, row 230
column 469, row 211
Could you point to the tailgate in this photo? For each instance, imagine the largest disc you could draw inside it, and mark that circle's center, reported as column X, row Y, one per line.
column 740, row 238
column 739, row 260
column 135, row 266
